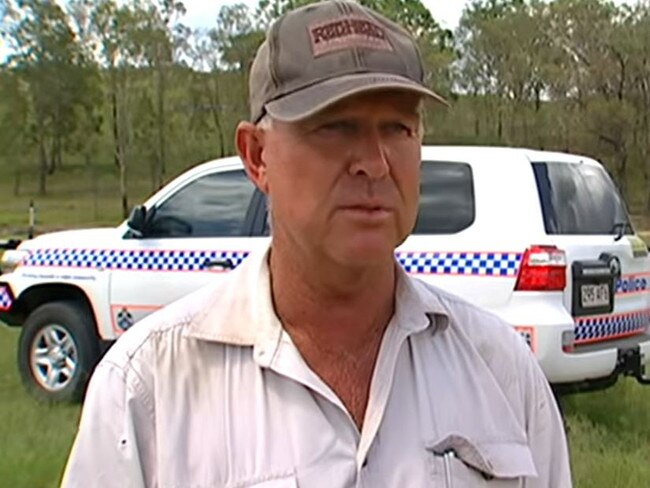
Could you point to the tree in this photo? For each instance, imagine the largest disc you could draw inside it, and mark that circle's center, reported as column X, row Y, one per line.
column 205, row 90
column 634, row 39
column 115, row 29
column 15, row 115
column 51, row 64
column 153, row 46
column 588, row 42
column 160, row 53
column 501, row 46
column 236, row 38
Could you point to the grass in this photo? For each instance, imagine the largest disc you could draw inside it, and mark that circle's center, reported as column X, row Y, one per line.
column 609, row 432
column 610, row 436
column 35, row 438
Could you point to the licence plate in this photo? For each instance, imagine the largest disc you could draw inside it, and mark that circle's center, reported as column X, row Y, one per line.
column 594, row 295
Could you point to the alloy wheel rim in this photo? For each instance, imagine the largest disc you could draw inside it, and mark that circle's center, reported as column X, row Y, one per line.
column 53, row 358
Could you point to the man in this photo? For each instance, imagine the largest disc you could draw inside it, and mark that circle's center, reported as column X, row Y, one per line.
column 321, row 363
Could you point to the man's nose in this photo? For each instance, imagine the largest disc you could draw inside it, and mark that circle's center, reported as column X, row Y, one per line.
column 370, row 158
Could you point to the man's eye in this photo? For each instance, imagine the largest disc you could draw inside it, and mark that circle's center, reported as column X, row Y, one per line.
column 398, row 128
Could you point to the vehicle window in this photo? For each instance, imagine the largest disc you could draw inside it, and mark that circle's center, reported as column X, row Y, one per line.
column 213, row 205
column 580, row 199
column 446, row 198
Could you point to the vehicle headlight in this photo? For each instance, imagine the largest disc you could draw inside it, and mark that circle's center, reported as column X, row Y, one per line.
column 11, row 259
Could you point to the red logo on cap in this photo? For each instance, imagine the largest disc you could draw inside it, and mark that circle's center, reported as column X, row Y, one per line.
column 346, row 33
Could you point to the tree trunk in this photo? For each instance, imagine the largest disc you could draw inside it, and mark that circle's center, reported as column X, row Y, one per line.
column 124, row 197
column 114, row 113
column 215, row 109
column 524, row 122
column 620, row 161
column 644, row 140
column 57, row 155
column 621, row 170
column 162, row 136
column 42, row 155
column 50, row 162
column 500, row 124
column 55, row 152
column 122, row 143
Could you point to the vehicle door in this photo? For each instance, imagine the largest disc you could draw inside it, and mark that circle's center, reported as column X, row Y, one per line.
column 192, row 237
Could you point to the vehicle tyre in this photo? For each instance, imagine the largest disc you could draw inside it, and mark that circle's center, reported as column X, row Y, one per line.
column 57, row 351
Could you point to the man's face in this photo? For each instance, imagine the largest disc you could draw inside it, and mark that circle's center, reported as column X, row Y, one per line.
column 344, row 184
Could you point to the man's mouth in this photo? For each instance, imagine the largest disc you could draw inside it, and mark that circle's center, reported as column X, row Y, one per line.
column 373, row 212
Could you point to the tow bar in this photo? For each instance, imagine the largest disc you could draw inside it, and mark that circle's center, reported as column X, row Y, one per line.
column 630, row 363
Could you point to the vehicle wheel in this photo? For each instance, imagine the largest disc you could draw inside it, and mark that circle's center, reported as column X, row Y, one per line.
column 57, row 351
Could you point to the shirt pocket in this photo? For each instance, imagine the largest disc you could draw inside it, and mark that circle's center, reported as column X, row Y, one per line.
column 458, row 462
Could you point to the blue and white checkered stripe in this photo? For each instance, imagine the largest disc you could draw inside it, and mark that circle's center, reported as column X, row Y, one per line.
column 138, row 260
column 600, row 328
column 457, row 263
column 504, row 264
column 5, row 298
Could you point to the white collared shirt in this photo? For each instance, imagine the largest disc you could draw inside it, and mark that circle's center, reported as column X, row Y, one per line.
column 211, row 392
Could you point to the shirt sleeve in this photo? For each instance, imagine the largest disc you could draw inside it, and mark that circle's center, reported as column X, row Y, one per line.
column 115, row 443
column 546, row 435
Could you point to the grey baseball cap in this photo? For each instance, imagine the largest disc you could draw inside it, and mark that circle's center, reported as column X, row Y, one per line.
column 317, row 55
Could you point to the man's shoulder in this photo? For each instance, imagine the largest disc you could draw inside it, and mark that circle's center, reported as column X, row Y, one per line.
column 487, row 341
column 167, row 324
column 489, row 334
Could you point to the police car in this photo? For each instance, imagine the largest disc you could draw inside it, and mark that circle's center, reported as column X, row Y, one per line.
column 541, row 239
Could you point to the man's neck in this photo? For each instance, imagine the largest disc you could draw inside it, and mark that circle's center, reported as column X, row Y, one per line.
column 341, row 308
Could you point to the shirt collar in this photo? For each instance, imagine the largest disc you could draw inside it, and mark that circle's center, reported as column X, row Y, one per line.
column 242, row 312
column 417, row 306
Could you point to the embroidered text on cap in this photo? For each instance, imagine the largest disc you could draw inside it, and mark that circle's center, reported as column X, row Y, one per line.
column 345, row 33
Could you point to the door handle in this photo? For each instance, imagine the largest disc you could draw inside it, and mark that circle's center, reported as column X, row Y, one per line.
column 218, row 263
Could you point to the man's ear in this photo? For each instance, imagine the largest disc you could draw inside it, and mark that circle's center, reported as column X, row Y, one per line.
column 250, row 143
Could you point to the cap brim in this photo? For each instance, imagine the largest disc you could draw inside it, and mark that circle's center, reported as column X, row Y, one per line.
column 304, row 103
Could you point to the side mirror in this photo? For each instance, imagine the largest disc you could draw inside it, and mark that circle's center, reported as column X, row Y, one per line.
column 137, row 221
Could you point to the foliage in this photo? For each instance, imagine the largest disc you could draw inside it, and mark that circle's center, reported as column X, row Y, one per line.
column 126, row 82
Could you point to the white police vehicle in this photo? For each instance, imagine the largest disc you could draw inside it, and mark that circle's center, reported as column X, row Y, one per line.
column 541, row 239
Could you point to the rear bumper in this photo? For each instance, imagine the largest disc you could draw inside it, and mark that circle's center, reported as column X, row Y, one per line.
column 631, row 360
column 602, row 343
column 592, row 366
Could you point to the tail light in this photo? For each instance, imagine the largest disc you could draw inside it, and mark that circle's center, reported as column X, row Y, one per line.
column 568, row 341
column 543, row 268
